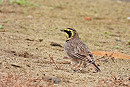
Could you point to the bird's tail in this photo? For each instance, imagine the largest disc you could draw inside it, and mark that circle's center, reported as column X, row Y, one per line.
column 96, row 67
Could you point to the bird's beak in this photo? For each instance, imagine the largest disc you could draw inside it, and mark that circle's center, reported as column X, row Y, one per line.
column 62, row 30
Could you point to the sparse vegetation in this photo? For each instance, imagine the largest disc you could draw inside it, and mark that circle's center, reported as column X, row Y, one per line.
column 97, row 44
column 107, row 33
column 117, row 47
column 128, row 42
column 1, row 27
column 27, row 33
column 15, row 80
column 23, row 2
column 1, row 2
column 6, row 20
column 19, row 2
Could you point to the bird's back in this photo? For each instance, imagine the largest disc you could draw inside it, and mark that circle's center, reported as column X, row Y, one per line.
column 74, row 46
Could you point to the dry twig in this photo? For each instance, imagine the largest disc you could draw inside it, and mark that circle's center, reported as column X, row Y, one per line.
column 52, row 61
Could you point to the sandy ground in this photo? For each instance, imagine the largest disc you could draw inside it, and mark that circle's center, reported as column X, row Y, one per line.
column 29, row 31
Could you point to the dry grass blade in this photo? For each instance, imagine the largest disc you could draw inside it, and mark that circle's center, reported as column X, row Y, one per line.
column 15, row 80
column 52, row 60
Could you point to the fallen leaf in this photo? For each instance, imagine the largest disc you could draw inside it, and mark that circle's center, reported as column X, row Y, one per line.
column 112, row 54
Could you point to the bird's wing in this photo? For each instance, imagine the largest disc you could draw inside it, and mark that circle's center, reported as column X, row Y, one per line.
column 79, row 56
column 82, row 57
column 86, row 51
column 82, row 53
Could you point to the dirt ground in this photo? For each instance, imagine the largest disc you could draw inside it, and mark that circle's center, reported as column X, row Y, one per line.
column 29, row 33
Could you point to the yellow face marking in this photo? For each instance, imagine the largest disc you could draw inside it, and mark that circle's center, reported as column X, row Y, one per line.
column 67, row 36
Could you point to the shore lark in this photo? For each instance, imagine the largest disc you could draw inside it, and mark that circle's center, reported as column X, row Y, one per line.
column 77, row 50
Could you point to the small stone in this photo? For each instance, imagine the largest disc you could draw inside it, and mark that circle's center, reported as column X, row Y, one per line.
column 74, row 71
column 55, row 80
column 66, row 57
column 118, row 39
column 40, row 40
column 128, row 18
column 30, row 16
column 16, row 65
column 55, row 44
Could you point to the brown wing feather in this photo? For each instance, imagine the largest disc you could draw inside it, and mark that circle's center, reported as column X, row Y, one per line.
column 78, row 50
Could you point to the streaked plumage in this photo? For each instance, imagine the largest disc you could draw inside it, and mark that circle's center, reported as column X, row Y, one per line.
column 77, row 50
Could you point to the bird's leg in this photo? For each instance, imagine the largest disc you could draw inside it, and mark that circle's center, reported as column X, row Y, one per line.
column 73, row 64
column 79, row 66
column 85, row 64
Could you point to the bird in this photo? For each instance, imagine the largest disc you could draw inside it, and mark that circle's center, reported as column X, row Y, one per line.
column 77, row 50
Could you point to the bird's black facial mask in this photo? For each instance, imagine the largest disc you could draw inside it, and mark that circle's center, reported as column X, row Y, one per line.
column 69, row 33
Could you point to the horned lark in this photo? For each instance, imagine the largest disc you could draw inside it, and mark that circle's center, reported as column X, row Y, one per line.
column 77, row 50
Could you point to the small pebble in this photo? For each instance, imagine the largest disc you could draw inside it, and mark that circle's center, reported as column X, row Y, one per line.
column 55, row 44
column 118, row 39
column 56, row 80
column 128, row 18
column 30, row 16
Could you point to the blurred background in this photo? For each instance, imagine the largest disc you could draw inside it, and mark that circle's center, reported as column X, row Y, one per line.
column 30, row 32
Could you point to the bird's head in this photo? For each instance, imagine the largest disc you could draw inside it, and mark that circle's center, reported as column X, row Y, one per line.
column 70, row 33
